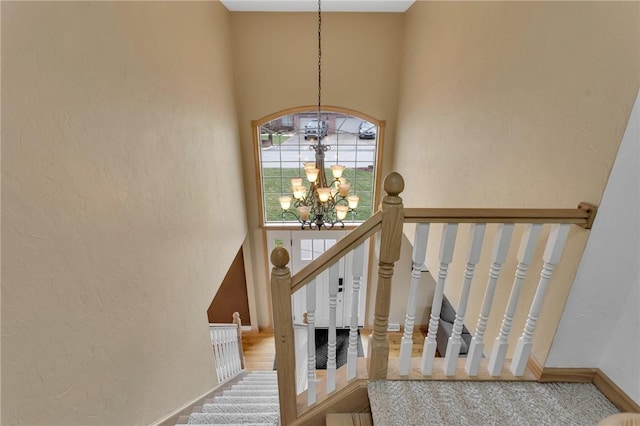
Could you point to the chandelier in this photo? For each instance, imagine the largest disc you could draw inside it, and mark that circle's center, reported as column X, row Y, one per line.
column 323, row 204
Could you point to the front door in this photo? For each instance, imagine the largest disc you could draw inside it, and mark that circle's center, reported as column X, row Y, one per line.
column 305, row 246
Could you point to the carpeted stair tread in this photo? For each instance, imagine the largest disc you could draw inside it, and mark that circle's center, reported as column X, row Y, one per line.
column 251, row 401
column 260, row 386
column 250, row 392
column 245, row 399
column 232, row 418
column 241, row 408
column 230, row 424
column 486, row 403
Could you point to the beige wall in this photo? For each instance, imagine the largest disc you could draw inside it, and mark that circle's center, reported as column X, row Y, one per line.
column 120, row 148
column 275, row 58
column 510, row 104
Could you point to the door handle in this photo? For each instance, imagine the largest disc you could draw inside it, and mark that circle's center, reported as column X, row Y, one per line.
column 340, row 285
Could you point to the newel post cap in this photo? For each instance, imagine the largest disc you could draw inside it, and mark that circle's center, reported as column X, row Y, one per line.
column 279, row 257
column 393, row 184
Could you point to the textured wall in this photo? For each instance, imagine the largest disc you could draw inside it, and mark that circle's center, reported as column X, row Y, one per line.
column 275, row 58
column 601, row 321
column 515, row 104
column 120, row 146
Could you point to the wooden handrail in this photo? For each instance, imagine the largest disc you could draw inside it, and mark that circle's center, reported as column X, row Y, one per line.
column 389, row 221
column 342, row 247
column 579, row 216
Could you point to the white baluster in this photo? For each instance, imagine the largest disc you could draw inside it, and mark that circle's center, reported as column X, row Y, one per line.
column 225, row 354
column 331, row 356
column 447, row 244
column 498, row 256
column 476, row 237
column 217, row 353
column 551, row 256
column 311, row 342
column 233, row 347
column 236, row 350
column 525, row 255
column 352, row 352
column 418, row 257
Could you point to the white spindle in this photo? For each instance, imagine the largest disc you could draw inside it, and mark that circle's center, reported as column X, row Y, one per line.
column 226, row 350
column 419, row 255
column 233, row 347
column 551, row 256
column 352, row 352
column 498, row 256
column 525, row 256
column 447, row 244
column 333, row 297
column 476, row 237
column 311, row 342
column 225, row 354
column 218, row 354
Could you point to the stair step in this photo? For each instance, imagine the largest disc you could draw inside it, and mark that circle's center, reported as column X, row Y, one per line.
column 257, row 386
column 250, row 392
column 349, row 419
column 232, row 418
column 244, row 400
column 241, row 408
column 228, row 424
column 261, row 378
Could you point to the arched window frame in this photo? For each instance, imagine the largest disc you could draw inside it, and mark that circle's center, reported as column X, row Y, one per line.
column 256, row 126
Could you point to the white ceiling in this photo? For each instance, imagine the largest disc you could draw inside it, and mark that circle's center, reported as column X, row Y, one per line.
column 312, row 5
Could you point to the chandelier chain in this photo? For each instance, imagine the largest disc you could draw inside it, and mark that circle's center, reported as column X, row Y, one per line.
column 319, row 59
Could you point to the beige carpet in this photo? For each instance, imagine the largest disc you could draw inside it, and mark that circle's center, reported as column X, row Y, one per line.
column 413, row 403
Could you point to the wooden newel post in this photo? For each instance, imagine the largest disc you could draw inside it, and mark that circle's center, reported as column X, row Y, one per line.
column 283, row 334
column 238, row 322
column 390, row 239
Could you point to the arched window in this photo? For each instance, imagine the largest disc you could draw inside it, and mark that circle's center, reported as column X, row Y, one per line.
column 283, row 145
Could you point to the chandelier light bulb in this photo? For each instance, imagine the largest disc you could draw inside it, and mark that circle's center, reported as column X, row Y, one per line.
column 343, row 189
column 337, row 170
column 312, row 174
column 341, row 212
column 303, row 212
column 353, row 201
column 285, row 202
column 299, row 192
column 323, row 194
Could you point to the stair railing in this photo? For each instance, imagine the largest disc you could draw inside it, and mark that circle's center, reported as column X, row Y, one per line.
column 389, row 221
column 226, row 340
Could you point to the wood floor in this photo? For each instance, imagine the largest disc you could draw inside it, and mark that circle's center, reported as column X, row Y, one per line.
column 259, row 348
